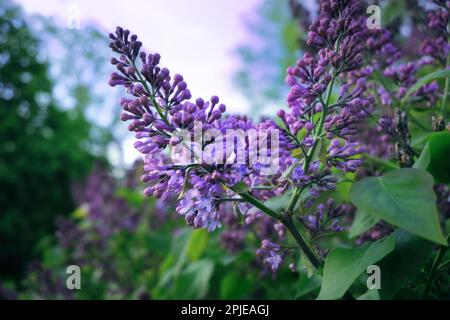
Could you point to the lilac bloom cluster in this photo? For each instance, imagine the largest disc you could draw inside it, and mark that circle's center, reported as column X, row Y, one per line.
column 385, row 55
column 313, row 115
column 380, row 44
column 325, row 219
column 159, row 109
column 434, row 48
column 437, row 45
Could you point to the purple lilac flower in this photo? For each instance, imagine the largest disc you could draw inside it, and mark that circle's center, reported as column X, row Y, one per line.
column 378, row 143
column 199, row 210
column 385, row 55
column 380, row 45
column 270, row 255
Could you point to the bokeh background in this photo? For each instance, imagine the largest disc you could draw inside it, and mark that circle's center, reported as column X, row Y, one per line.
column 69, row 175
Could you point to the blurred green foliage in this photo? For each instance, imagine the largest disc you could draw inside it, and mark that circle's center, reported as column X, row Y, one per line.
column 43, row 148
column 171, row 261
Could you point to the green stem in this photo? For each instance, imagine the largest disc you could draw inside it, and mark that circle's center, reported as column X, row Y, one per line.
column 144, row 83
column 297, row 192
column 319, row 130
column 293, row 202
column 258, row 204
column 289, row 223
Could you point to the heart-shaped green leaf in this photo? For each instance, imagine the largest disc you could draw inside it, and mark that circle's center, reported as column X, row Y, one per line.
column 404, row 198
column 343, row 266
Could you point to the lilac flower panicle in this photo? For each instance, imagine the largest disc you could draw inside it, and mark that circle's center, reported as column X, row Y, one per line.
column 338, row 33
column 159, row 109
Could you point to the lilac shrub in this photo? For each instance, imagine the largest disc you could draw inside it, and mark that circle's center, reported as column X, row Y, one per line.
column 351, row 99
column 160, row 105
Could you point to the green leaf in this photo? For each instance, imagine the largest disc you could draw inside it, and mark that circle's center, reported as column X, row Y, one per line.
column 193, row 282
column 420, row 139
column 399, row 268
column 307, row 285
column 362, row 223
column 440, row 74
column 343, row 266
column 424, row 160
column 197, row 244
column 159, row 242
column 404, row 198
column 321, row 151
column 435, row 157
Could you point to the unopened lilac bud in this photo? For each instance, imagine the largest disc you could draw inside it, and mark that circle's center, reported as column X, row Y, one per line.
column 200, row 103
column 214, row 100
column 182, row 85
column 162, row 126
column 177, row 78
column 191, row 108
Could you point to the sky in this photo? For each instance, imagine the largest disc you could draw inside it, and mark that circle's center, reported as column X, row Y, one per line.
column 196, row 38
